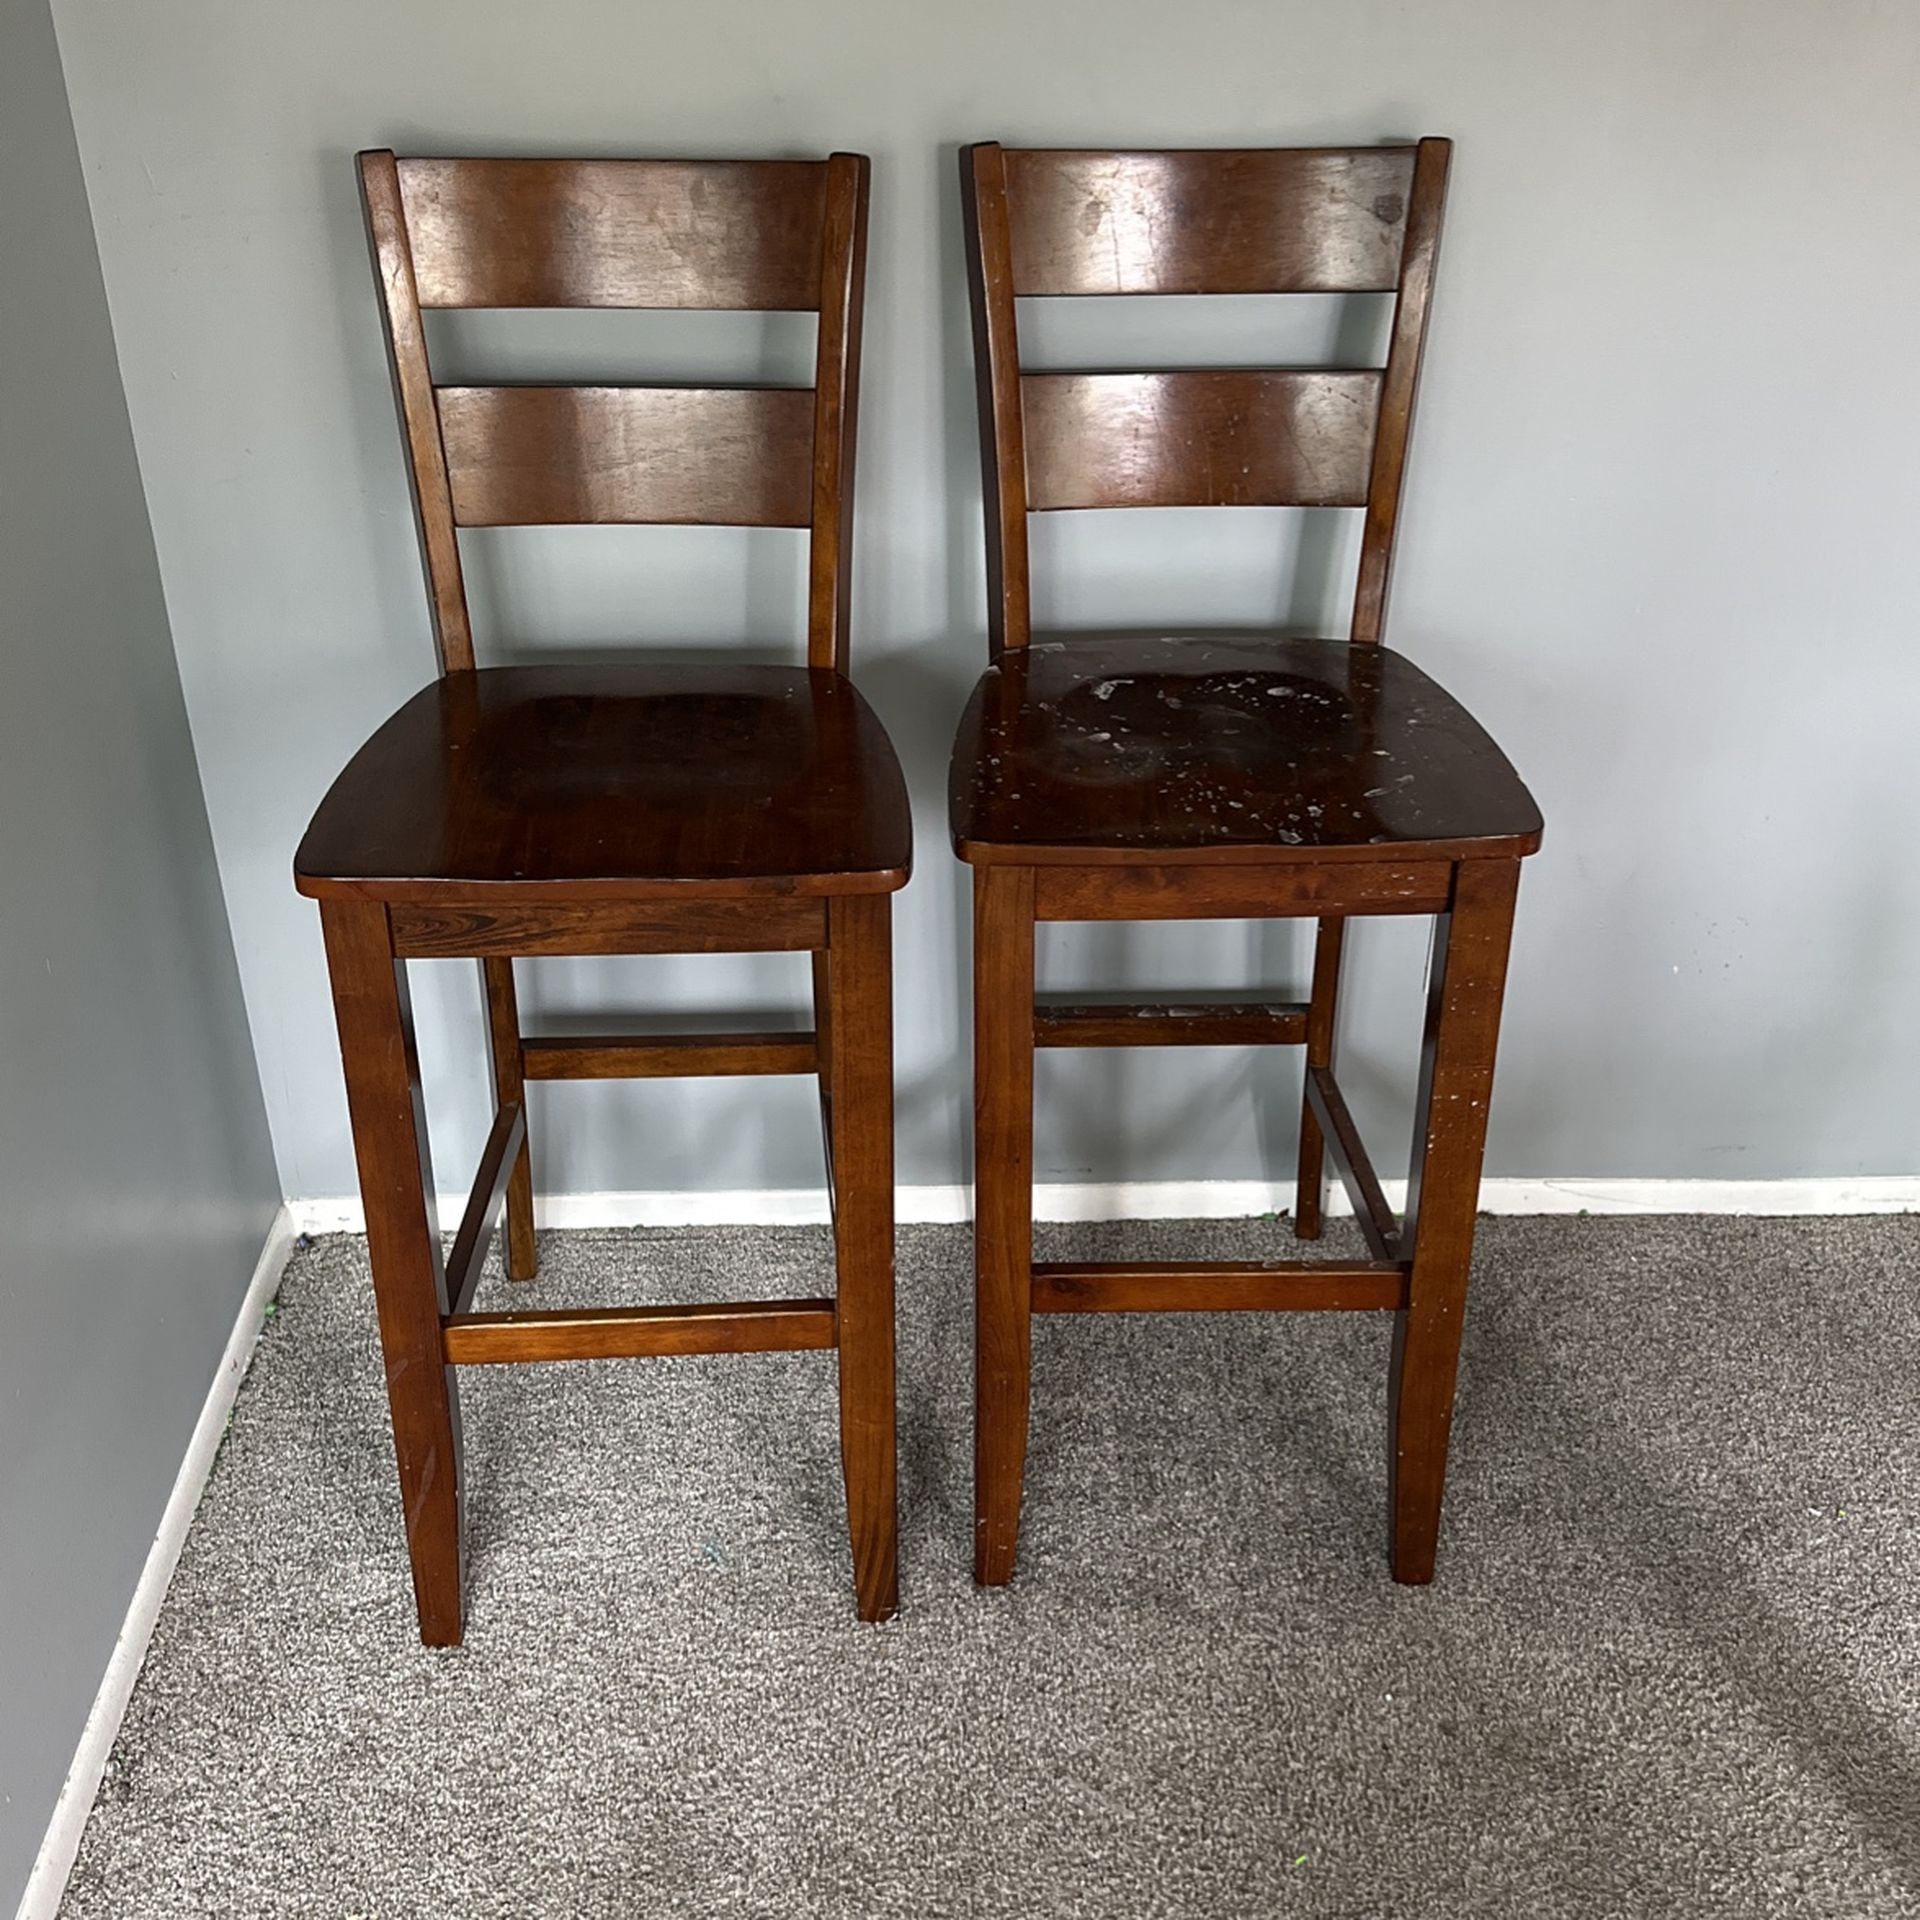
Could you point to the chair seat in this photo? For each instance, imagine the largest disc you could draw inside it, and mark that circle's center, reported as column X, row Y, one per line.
column 1244, row 749
column 623, row 780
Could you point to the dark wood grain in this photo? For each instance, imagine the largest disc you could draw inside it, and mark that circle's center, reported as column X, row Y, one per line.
column 638, row 1333
column 843, row 284
column 1378, row 1227
column 1466, row 986
column 619, row 808
column 618, row 782
column 1158, row 751
column 1196, row 1023
column 822, row 985
column 1043, row 223
column 439, row 932
column 860, row 1135
column 670, row 1056
column 1400, row 387
column 781, row 234
column 1273, row 220
column 1117, row 778
column 419, row 419
column 616, row 233
column 629, row 456
column 470, row 1242
column 1218, row 1286
column 1322, row 1013
column 510, row 1090
column 1003, row 959
column 1237, row 891
column 1198, row 438
column 382, row 1068
column 996, row 358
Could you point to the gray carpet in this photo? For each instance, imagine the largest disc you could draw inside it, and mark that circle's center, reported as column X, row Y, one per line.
column 1671, row 1666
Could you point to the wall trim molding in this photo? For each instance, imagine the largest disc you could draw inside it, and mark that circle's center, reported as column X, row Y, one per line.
column 1170, row 1200
column 47, row 1883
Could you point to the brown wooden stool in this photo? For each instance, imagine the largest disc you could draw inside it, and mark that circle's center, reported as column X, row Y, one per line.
column 618, row 809
column 1187, row 779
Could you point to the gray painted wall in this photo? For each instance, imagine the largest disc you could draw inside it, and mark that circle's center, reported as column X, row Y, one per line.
column 1660, row 532
column 136, row 1177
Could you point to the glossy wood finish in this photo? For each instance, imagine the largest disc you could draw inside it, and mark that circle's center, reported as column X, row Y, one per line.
column 375, row 1018
column 1003, row 944
column 996, row 360
column 640, row 1333
column 1218, row 1286
column 1199, row 438
column 676, row 1056
column 618, row 809
column 616, row 233
column 1208, row 220
column 1467, row 983
column 1162, row 750
column 629, row 456
column 860, row 1135
column 1399, row 388
column 836, row 392
column 643, row 233
column 642, row 780
column 1156, row 778
column 1044, row 222
column 393, row 265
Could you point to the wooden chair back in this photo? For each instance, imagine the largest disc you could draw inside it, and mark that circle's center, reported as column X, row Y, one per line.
column 1044, row 222
column 761, row 235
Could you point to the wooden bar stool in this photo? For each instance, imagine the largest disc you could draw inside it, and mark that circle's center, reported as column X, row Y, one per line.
column 618, row 809
column 1187, row 779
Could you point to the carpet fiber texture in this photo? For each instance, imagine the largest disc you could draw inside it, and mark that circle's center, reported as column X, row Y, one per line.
column 1671, row 1665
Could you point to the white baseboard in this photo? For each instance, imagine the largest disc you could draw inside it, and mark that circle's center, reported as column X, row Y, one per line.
column 1169, row 1200
column 48, row 1881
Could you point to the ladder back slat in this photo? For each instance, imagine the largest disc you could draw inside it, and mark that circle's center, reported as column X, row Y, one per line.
column 1279, row 220
column 629, row 456
column 714, row 234
column 1199, row 439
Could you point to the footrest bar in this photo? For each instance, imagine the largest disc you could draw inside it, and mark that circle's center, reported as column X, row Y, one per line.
column 483, row 1204
column 666, row 1056
column 1209, row 1023
column 635, row 1333
column 1211, row 1286
column 1375, row 1218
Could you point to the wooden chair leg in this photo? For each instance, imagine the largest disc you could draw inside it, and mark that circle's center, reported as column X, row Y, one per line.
column 1003, row 944
column 375, row 1020
column 509, row 1089
column 1323, row 1006
column 859, row 1065
column 1468, row 976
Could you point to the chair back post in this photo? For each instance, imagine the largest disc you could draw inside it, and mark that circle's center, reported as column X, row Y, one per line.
column 836, row 390
column 996, row 356
column 1400, row 387
column 418, row 409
